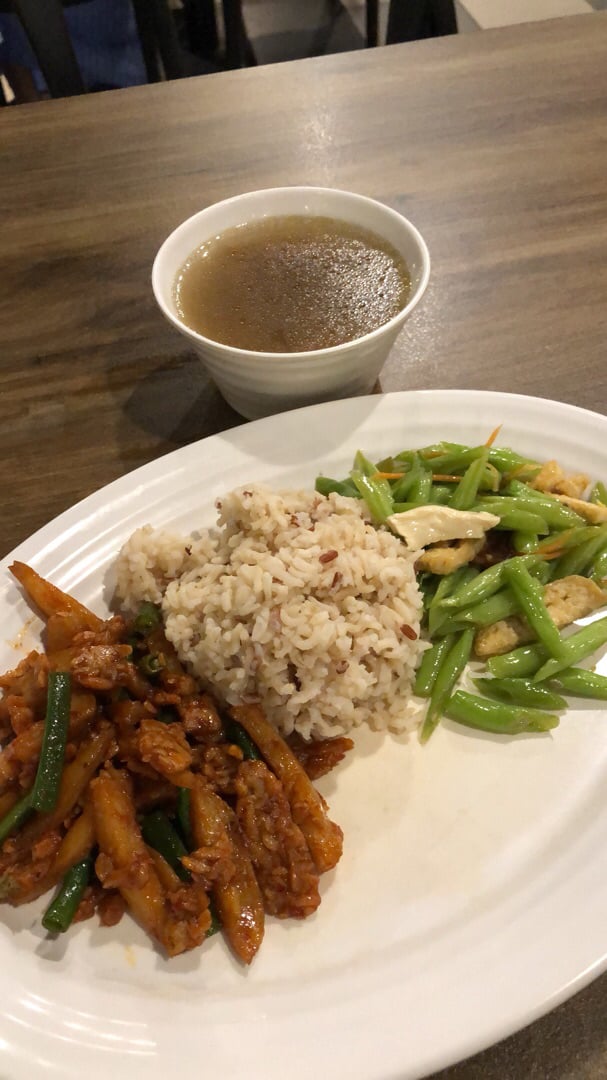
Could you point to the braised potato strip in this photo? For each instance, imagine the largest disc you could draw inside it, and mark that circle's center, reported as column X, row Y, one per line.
column 222, row 861
column 124, row 862
column 324, row 838
column 246, row 837
column 23, row 883
column 281, row 858
column 53, row 601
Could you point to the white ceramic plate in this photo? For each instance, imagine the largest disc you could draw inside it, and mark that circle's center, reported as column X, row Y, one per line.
column 472, row 893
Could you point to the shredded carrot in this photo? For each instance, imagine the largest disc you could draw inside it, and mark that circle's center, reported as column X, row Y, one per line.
column 389, row 475
column 493, row 436
column 446, row 478
column 548, row 553
column 557, row 544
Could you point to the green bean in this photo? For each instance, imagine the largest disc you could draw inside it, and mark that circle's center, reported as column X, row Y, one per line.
column 150, row 665
column 505, row 504
column 325, row 486
column 454, row 461
column 599, row 494
column 60, row 913
column 442, row 447
column 457, row 458
column 556, row 514
column 542, row 571
column 50, row 766
column 490, row 479
column 506, row 460
column 428, row 584
column 398, row 462
column 582, row 683
column 437, row 615
column 430, row 666
column 450, row 626
column 529, row 593
column 215, row 926
column 183, row 817
column 599, row 567
column 465, row 494
column 499, row 606
column 148, row 618
column 403, row 487
column 449, row 672
column 15, row 816
column 520, row 521
column 421, row 489
column 363, row 465
column 376, row 493
column 521, row 692
column 440, row 494
column 577, row 647
column 523, row 542
column 578, row 559
column 237, row 735
column 515, row 515
column 166, row 715
column 159, row 834
column 519, row 663
column 485, row 715
column 570, row 538
column 447, row 583
column 487, row 583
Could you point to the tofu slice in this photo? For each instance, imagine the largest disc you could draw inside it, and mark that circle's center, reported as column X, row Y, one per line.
column 430, row 524
column 551, row 478
column 568, row 599
column 445, row 558
column 593, row 513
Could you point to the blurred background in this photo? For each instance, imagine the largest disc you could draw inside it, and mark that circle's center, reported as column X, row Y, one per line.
column 59, row 48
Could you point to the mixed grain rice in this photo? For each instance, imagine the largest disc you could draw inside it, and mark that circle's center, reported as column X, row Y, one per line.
column 294, row 600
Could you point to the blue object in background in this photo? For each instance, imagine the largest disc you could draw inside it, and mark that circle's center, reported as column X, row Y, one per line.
column 105, row 39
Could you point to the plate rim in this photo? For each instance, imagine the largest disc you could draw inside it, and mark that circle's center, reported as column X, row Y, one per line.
column 249, row 427
column 242, row 433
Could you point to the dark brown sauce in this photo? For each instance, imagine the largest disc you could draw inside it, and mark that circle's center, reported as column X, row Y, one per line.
column 291, row 284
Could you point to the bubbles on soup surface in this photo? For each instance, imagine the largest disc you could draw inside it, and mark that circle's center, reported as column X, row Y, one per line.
column 291, row 284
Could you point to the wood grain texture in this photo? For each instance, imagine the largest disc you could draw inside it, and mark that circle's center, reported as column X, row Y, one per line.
column 494, row 144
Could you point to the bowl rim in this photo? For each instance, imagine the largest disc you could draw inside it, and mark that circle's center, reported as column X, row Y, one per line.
column 311, row 354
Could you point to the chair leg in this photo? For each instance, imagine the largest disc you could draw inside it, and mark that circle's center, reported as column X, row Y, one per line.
column 372, row 21
column 409, row 20
column 144, row 17
column 445, row 21
column 201, row 27
column 238, row 49
column 168, row 42
column 159, row 40
column 48, row 35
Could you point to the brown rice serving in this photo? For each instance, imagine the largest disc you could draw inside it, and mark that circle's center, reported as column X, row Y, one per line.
column 296, row 601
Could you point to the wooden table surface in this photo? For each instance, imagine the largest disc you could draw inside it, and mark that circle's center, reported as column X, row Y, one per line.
column 494, row 144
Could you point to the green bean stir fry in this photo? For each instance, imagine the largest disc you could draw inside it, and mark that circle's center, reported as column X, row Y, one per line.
column 551, row 534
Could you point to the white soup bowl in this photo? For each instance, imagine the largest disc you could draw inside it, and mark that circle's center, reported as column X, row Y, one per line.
column 260, row 383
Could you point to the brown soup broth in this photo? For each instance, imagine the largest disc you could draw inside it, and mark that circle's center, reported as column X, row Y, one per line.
column 291, row 284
